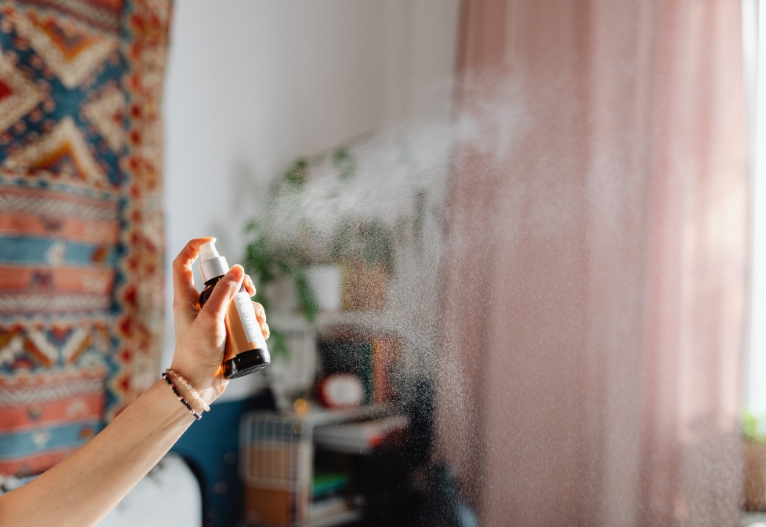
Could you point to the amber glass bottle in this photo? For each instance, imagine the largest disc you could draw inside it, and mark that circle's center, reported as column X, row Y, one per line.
column 246, row 349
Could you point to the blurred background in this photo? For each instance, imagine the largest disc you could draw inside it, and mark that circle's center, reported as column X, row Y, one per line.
column 512, row 253
column 292, row 83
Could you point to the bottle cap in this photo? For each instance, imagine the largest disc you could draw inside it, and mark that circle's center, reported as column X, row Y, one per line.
column 212, row 264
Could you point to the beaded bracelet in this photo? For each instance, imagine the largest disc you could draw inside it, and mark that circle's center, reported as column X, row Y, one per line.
column 189, row 388
column 187, row 405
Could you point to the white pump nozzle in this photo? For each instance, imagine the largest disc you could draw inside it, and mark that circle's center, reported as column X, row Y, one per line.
column 207, row 251
column 211, row 264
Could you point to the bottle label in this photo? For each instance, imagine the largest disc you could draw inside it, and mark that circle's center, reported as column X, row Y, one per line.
column 249, row 321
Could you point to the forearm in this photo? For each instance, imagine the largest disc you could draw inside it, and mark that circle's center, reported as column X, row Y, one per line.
column 80, row 490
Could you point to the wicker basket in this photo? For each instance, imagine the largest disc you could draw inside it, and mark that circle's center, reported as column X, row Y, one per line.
column 276, row 462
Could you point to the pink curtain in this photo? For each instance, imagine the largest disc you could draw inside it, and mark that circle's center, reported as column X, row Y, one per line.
column 596, row 276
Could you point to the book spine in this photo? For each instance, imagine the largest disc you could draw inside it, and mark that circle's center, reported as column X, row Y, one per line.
column 379, row 370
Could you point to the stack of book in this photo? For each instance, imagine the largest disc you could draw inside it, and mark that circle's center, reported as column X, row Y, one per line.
column 359, row 437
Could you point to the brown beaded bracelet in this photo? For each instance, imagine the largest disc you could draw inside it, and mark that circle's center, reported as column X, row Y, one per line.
column 180, row 398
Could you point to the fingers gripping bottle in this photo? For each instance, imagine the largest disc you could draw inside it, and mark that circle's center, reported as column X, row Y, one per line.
column 246, row 349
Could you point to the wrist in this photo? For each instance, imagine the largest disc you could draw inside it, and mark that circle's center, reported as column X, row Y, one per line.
column 195, row 398
column 207, row 387
column 179, row 394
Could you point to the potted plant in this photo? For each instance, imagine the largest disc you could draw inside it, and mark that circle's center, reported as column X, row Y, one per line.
column 754, row 435
column 333, row 211
column 266, row 260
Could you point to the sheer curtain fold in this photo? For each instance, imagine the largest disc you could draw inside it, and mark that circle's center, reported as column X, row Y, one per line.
column 595, row 306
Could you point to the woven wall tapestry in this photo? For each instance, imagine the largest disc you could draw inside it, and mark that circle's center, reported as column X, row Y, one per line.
column 81, row 241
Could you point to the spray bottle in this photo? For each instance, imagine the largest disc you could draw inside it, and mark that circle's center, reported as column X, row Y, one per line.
column 246, row 349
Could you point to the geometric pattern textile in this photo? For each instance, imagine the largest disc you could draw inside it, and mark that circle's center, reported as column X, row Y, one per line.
column 81, row 239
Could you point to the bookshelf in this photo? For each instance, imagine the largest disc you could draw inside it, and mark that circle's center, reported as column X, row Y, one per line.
column 278, row 450
column 277, row 453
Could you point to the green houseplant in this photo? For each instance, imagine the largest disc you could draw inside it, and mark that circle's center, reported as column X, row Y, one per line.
column 266, row 261
column 327, row 209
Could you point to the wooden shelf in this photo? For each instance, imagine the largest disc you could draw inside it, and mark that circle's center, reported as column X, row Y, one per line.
column 323, row 416
column 383, row 321
column 373, row 320
column 339, row 519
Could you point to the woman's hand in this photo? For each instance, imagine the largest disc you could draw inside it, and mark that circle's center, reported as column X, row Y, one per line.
column 201, row 333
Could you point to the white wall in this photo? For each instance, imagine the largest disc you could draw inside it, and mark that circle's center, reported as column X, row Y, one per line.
column 252, row 84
